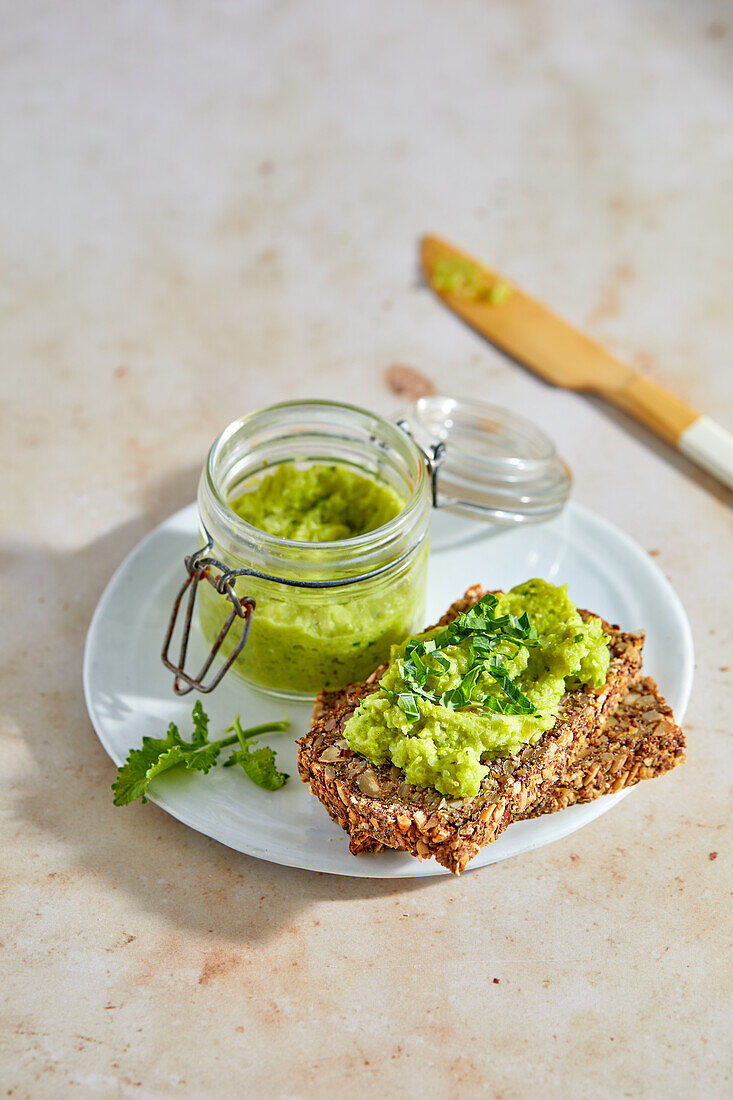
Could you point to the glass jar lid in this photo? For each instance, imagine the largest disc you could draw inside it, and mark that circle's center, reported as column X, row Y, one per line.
column 488, row 463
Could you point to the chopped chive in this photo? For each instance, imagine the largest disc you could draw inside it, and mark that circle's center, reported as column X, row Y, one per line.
column 486, row 631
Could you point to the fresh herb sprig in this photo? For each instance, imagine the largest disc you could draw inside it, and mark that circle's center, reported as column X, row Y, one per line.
column 490, row 635
column 259, row 764
column 160, row 754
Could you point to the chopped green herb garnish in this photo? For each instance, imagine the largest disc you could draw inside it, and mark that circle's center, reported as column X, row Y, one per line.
column 160, row 754
column 490, row 636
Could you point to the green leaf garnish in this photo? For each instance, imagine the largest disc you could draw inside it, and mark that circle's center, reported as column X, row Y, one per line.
column 160, row 754
column 200, row 723
column 408, row 702
column 489, row 637
column 258, row 764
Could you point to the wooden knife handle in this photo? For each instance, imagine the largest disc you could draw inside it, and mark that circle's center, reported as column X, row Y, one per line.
column 699, row 437
column 654, row 406
column 529, row 331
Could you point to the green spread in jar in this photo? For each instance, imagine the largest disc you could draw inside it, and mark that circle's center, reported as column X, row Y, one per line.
column 457, row 697
column 302, row 640
column 319, row 503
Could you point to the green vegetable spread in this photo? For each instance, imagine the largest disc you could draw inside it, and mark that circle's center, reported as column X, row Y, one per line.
column 302, row 640
column 466, row 279
column 319, row 503
column 457, row 697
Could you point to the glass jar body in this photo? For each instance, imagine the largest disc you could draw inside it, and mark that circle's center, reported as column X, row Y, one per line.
column 326, row 613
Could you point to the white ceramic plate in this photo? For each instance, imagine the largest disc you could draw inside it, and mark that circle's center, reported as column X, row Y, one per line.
column 129, row 693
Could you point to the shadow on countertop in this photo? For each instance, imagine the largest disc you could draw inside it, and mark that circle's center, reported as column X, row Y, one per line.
column 64, row 799
column 662, row 449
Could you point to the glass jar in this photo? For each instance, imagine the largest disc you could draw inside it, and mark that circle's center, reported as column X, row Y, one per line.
column 295, row 617
column 325, row 614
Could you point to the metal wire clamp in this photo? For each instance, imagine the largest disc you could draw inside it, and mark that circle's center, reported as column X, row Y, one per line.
column 434, row 455
column 199, row 567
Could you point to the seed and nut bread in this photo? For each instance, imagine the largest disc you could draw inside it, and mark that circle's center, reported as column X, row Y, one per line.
column 377, row 807
column 639, row 740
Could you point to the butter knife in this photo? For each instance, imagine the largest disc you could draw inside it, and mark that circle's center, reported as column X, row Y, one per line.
column 563, row 355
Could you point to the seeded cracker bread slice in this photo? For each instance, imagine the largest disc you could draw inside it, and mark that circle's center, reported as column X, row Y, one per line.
column 374, row 804
column 639, row 740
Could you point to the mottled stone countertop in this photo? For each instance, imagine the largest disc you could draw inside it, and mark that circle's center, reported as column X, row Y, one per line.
column 207, row 208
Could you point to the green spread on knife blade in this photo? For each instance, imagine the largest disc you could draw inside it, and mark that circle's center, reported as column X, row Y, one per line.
column 466, row 279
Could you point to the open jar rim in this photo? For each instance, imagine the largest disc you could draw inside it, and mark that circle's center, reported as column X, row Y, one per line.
column 266, row 544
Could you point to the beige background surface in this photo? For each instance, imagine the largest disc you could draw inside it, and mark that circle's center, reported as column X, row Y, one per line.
column 208, row 207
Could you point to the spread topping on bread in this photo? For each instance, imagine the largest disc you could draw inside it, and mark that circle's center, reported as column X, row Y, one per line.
column 458, row 697
column 605, row 738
